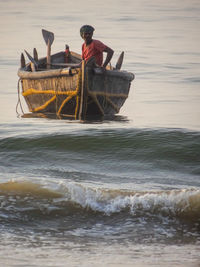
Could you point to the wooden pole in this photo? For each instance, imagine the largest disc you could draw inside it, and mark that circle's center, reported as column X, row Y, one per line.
column 33, row 67
column 23, row 63
column 82, row 89
column 35, row 54
column 120, row 61
column 48, row 55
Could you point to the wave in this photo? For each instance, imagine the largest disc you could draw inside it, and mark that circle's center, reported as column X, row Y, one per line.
column 177, row 149
column 27, row 189
column 21, row 198
column 176, row 142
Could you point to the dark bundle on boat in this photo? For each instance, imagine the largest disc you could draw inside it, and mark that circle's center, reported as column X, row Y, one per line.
column 63, row 84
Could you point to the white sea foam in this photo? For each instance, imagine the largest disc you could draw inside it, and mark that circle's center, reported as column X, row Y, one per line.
column 111, row 201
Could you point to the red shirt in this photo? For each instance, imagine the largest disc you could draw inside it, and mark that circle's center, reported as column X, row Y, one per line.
column 95, row 49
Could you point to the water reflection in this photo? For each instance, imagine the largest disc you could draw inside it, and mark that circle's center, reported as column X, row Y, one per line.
column 89, row 119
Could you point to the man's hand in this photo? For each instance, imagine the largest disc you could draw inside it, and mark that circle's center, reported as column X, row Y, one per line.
column 110, row 53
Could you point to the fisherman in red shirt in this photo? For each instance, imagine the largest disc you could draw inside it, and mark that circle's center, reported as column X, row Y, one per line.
column 94, row 48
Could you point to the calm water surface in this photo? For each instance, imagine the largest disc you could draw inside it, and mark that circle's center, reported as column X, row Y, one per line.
column 107, row 193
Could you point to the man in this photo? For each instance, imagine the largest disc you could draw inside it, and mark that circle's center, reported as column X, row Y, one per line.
column 94, row 48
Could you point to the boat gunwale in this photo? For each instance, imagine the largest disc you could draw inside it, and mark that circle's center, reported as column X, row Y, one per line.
column 55, row 73
column 24, row 74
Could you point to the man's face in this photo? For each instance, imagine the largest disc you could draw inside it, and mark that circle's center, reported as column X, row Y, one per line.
column 87, row 37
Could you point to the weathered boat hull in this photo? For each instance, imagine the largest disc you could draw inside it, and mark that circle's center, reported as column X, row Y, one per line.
column 73, row 92
column 52, row 94
column 109, row 89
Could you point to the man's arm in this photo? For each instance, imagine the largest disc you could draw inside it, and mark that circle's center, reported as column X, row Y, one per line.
column 110, row 53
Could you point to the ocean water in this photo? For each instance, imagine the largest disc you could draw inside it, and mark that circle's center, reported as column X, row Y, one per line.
column 122, row 192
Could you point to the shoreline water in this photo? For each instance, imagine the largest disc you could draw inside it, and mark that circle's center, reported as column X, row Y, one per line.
column 117, row 192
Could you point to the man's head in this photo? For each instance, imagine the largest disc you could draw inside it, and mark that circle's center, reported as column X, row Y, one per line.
column 86, row 32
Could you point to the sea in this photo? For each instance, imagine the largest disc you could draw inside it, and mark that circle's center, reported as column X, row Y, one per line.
column 110, row 192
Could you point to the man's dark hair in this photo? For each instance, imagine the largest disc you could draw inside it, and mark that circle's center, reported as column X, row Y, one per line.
column 86, row 28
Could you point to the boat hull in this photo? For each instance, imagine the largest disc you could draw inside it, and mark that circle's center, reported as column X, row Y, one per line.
column 78, row 93
column 58, row 95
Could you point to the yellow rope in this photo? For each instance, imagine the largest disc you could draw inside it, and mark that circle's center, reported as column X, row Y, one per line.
column 82, row 89
column 112, row 104
column 94, row 97
column 70, row 94
column 77, row 105
column 45, row 104
column 108, row 94
column 33, row 91
column 79, row 84
column 63, row 103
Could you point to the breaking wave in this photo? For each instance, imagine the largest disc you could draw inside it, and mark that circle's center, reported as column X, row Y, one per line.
column 19, row 198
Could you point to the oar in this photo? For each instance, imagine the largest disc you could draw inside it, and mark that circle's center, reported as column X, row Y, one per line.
column 49, row 38
column 120, row 61
column 34, row 63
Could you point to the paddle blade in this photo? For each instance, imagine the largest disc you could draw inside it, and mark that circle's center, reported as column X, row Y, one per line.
column 31, row 59
column 48, row 36
column 120, row 61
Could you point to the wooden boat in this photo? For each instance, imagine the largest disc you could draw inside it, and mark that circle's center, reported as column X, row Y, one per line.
column 67, row 89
